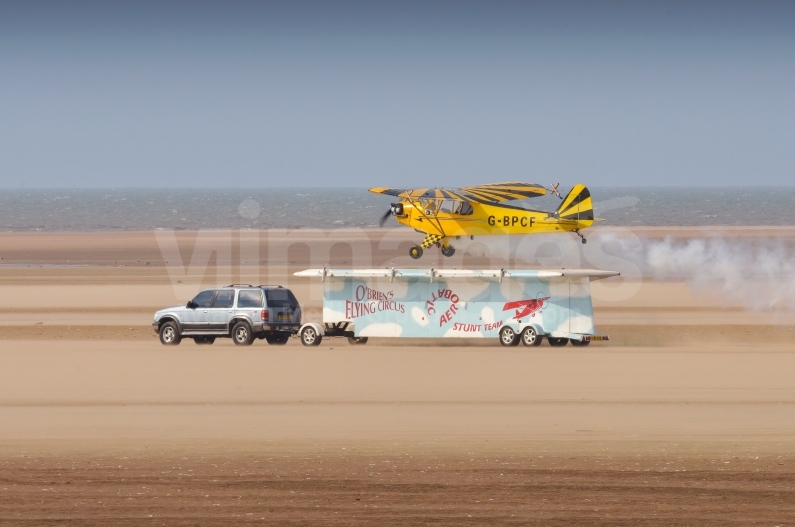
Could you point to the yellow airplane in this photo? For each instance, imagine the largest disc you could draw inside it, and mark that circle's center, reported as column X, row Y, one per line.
column 442, row 214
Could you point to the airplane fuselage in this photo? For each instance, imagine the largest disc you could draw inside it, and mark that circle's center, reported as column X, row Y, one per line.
column 484, row 220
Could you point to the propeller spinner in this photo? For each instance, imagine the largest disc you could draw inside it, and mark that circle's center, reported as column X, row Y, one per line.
column 396, row 209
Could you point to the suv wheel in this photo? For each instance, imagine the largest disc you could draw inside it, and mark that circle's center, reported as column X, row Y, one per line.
column 310, row 336
column 242, row 335
column 169, row 334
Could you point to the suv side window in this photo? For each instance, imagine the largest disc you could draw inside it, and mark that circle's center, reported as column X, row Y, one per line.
column 204, row 299
column 224, row 298
column 249, row 298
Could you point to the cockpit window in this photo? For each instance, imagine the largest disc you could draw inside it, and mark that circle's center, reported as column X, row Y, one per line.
column 430, row 206
column 463, row 208
column 434, row 206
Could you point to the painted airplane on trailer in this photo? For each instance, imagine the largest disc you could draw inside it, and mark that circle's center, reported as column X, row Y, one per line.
column 442, row 214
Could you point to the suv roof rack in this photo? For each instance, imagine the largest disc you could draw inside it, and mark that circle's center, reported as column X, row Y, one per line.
column 239, row 285
column 273, row 286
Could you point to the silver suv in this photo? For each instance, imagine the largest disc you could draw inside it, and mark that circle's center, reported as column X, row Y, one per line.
column 242, row 312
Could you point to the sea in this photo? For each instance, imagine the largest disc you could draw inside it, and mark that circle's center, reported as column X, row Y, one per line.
column 26, row 210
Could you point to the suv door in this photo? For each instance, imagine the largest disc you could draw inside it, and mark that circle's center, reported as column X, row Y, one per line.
column 221, row 311
column 197, row 317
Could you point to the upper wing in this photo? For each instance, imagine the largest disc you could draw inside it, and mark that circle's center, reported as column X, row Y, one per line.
column 491, row 193
column 499, row 192
column 399, row 192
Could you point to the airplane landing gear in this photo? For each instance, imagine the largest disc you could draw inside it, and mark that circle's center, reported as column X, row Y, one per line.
column 448, row 251
column 415, row 252
column 581, row 236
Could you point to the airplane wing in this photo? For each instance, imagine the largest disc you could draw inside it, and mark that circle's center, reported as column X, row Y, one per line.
column 491, row 193
column 398, row 192
column 499, row 192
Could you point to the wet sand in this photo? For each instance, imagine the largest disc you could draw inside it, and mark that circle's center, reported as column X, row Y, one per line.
column 687, row 416
column 263, row 487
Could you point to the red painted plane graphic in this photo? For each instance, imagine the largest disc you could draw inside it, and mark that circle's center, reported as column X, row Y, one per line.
column 525, row 307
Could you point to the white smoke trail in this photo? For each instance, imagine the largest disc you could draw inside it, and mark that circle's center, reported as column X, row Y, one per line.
column 759, row 276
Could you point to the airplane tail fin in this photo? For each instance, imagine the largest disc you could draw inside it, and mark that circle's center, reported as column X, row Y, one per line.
column 577, row 206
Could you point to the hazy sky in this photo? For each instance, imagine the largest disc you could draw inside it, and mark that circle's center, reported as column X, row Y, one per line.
column 238, row 94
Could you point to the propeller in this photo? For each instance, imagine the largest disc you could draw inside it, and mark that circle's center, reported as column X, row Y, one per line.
column 385, row 217
column 554, row 190
column 396, row 209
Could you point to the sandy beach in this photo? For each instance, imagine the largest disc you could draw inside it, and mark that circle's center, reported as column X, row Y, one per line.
column 686, row 416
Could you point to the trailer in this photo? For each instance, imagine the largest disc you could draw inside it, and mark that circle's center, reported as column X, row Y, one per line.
column 516, row 305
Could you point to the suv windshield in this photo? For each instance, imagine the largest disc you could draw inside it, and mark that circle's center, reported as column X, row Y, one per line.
column 281, row 298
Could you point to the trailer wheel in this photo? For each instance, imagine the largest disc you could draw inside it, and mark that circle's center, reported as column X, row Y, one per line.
column 580, row 343
column 508, row 337
column 310, row 337
column 557, row 342
column 357, row 340
column 530, row 337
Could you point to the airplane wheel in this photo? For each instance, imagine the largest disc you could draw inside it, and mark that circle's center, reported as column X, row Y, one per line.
column 415, row 252
column 584, row 241
column 448, row 251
